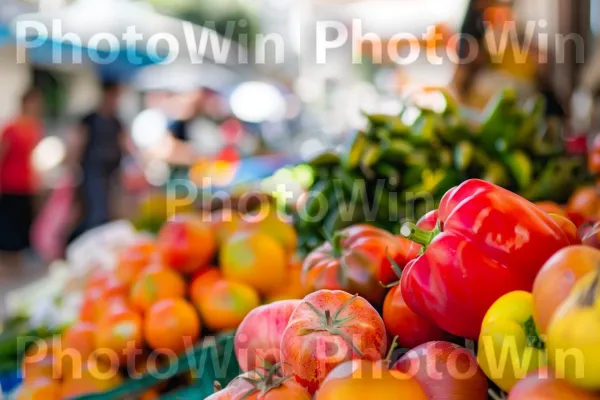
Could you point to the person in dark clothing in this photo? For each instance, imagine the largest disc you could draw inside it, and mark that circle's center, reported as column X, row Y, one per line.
column 100, row 148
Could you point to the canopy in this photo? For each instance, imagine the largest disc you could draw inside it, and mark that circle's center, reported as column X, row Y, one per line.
column 98, row 23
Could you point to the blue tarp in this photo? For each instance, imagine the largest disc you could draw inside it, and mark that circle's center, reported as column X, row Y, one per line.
column 116, row 66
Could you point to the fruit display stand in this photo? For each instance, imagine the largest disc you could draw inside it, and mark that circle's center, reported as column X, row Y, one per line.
column 211, row 361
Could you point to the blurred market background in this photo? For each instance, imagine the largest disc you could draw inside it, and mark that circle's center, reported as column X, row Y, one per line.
column 238, row 123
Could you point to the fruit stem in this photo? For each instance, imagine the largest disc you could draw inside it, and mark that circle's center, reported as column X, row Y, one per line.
column 418, row 235
column 328, row 319
column 390, row 353
column 336, row 244
column 533, row 337
column 589, row 294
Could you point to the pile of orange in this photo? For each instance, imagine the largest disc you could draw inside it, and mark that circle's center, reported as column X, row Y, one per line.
column 161, row 295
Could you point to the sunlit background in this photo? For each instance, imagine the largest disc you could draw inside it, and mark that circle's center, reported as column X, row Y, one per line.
column 284, row 112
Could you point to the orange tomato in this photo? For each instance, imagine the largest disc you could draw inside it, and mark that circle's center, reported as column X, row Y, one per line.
column 224, row 224
column 40, row 389
column 226, row 303
column 78, row 345
column 202, row 282
column 550, row 207
column 98, row 279
column 585, row 202
column 568, row 227
column 87, row 312
column 556, row 279
column 362, row 380
column 39, row 361
column 276, row 228
column 155, row 284
column 328, row 328
column 95, row 377
column 172, row 324
column 186, row 244
column 133, row 260
column 254, row 259
column 292, row 288
column 112, row 291
column 118, row 334
column 543, row 385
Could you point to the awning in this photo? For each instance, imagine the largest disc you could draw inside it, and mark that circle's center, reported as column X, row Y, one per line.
column 98, row 28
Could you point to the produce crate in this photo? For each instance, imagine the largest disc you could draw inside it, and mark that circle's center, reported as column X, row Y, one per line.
column 212, row 360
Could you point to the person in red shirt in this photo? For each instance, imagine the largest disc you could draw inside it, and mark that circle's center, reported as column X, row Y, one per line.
column 18, row 183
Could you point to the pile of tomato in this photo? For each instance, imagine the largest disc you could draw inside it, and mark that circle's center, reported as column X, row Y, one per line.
column 162, row 296
column 490, row 296
column 486, row 297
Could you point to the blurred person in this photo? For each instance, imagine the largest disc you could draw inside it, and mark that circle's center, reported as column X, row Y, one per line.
column 185, row 107
column 99, row 144
column 471, row 78
column 18, row 180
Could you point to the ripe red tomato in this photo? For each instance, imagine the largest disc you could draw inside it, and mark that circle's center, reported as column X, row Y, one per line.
column 258, row 337
column 445, row 371
column 361, row 379
column 411, row 328
column 186, row 244
column 357, row 261
column 326, row 329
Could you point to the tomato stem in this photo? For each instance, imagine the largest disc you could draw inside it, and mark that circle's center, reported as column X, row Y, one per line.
column 328, row 319
column 588, row 298
column 390, row 353
column 336, row 244
column 533, row 337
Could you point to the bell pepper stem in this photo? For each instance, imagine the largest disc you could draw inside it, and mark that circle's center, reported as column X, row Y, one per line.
column 416, row 234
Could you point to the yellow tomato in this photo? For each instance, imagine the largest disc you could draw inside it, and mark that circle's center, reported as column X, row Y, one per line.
column 509, row 345
column 574, row 335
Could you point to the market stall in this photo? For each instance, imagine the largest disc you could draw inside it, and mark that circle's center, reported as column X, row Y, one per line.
column 439, row 251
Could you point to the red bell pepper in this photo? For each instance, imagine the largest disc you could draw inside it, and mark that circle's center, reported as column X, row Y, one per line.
column 487, row 242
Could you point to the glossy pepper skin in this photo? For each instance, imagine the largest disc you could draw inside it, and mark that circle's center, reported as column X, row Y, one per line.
column 487, row 242
column 508, row 328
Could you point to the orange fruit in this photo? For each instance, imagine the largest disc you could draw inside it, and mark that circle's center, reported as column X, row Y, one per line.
column 585, row 201
column 40, row 389
column 98, row 279
column 202, row 282
column 39, row 361
column 255, row 259
column 95, row 377
column 118, row 334
column 171, row 324
column 87, row 312
column 278, row 229
column 225, row 304
column 77, row 346
column 155, row 284
column 101, row 297
column 225, row 223
column 186, row 244
column 133, row 260
column 292, row 289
